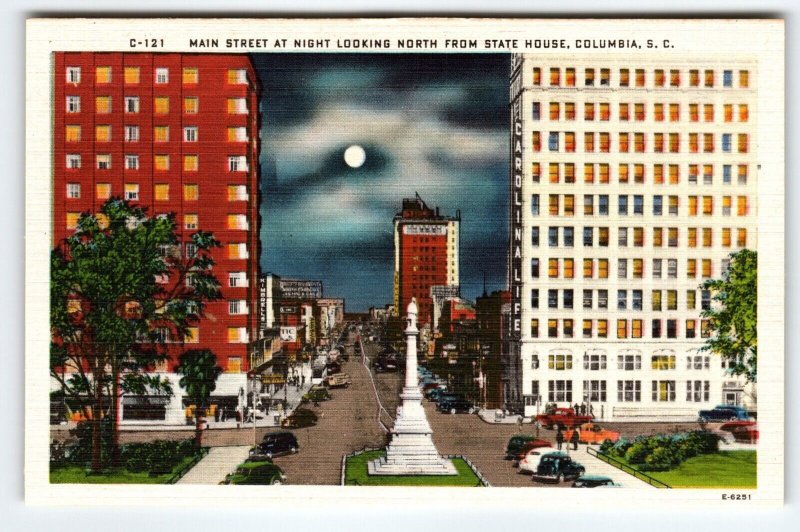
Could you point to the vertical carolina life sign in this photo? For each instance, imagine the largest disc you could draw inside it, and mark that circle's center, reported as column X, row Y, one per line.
column 516, row 221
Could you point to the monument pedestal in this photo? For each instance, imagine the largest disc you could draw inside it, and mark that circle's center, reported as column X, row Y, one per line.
column 411, row 451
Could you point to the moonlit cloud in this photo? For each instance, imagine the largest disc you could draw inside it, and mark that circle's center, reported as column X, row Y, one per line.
column 431, row 125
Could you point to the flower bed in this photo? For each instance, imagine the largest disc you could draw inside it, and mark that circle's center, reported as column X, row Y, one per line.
column 662, row 452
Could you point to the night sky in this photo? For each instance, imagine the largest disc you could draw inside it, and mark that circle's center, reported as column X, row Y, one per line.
column 436, row 124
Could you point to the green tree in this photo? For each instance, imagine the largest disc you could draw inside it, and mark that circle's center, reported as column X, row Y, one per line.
column 120, row 292
column 733, row 320
column 199, row 372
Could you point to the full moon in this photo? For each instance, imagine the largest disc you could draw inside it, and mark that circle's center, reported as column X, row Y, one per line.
column 355, row 156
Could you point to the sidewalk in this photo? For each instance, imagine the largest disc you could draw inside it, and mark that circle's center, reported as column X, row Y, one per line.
column 293, row 397
column 215, row 465
column 595, row 466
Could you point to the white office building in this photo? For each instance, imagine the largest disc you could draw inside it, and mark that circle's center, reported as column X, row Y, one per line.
column 632, row 181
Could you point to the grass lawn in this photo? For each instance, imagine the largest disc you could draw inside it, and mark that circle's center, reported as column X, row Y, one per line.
column 356, row 472
column 725, row 469
column 78, row 475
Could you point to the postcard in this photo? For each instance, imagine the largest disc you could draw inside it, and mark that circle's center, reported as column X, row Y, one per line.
column 464, row 261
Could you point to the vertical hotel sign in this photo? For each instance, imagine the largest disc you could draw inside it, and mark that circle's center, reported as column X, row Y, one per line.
column 515, row 262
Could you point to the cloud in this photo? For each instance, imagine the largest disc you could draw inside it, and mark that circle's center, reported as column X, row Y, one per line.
column 425, row 129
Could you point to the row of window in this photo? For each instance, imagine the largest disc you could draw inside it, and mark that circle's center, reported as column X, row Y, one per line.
column 637, row 173
column 597, row 361
column 626, row 328
column 131, row 75
column 161, row 162
column 598, row 268
column 638, row 111
column 102, row 133
column 630, row 391
column 634, row 236
column 637, row 142
column 669, row 302
column 564, row 205
column 161, row 191
column 190, row 221
column 625, row 77
column 161, row 105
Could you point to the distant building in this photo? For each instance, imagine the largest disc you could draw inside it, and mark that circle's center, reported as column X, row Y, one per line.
column 426, row 249
column 301, row 289
column 439, row 294
column 492, row 323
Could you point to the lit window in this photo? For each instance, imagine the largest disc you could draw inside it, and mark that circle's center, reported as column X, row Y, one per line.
column 589, row 77
column 537, row 76
column 131, row 75
column 190, row 105
column 190, row 76
column 103, row 190
column 72, row 220
column 624, row 77
column 237, row 221
column 191, row 192
column 744, row 79
column 102, row 74
column 555, row 77
column 237, row 251
column 102, row 133
column 102, row 104
column 161, row 105
column 72, row 133
column 237, row 76
column 237, row 106
column 190, row 163
column 190, row 221
column 131, row 191
column 161, row 162
column 161, row 133
column 161, row 192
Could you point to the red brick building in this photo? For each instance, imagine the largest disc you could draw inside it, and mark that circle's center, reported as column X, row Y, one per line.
column 175, row 133
column 425, row 254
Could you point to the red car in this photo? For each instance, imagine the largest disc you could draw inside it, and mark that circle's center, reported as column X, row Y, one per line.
column 562, row 417
column 742, row 431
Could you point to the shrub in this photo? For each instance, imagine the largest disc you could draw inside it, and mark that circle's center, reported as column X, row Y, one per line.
column 80, row 452
column 607, row 447
column 156, row 457
column 661, row 459
column 637, row 453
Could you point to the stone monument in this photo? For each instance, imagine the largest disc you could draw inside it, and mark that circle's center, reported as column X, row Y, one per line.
column 411, row 450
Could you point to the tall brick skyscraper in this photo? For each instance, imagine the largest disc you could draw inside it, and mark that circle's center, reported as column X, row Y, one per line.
column 425, row 254
column 174, row 133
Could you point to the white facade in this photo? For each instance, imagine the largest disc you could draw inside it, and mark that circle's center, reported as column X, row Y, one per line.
column 624, row 218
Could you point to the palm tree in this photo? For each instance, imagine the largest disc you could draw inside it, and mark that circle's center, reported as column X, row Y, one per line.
column 199, row 371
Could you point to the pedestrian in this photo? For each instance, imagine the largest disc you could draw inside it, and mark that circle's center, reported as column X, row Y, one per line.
column 559, row 437
column 303, row 382
column 576, row 408
column 583, row 409
column 216, row 414
column 574, row 438
column 591, row 410
column 519, row 423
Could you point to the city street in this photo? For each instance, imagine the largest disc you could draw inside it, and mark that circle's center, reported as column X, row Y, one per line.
column 349, row 422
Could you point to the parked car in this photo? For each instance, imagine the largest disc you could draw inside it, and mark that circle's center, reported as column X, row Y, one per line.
column 457, row 405
column 595, row 481
column 516, row 443
column 723, row 413
column 339, row 380
column 558, row 466
column 591, row 433
column 446, row 397
column 742, row 431
column 384, row 364
column 275, row 444
column 530, row 445
column 300, row 418
column 433, row 392
column 529, row 459
column 256, row 473
column 317, row 393
column 562, row 417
